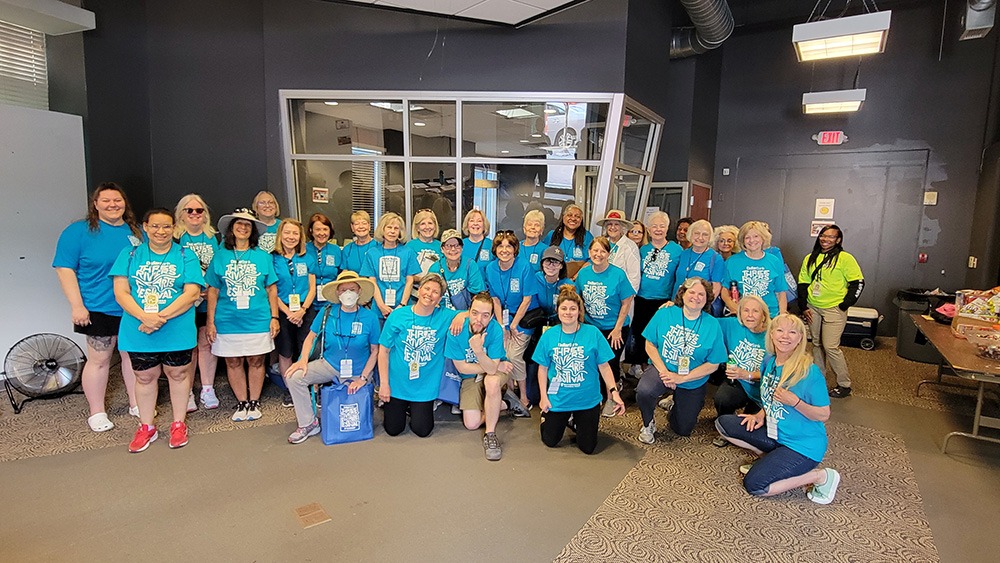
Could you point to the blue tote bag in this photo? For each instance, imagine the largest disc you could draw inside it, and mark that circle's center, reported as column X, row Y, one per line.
column 451, row 384
column 346, row 418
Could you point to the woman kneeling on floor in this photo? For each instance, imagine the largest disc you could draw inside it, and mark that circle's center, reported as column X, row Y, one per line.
column 350, row 348
column 789, row 432
column 157, row 284
column 572, row 359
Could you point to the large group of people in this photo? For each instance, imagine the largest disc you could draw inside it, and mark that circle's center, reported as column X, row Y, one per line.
column 560, row 321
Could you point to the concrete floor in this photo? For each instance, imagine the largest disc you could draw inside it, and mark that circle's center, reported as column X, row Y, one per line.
column 231, row 496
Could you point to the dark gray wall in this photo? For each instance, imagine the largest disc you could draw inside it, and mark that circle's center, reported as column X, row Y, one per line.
column 914, row 102
column 183, row 95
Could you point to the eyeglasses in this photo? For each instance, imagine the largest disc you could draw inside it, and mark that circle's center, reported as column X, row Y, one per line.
column 194, row 210
column 451, row 245
column 828, row 237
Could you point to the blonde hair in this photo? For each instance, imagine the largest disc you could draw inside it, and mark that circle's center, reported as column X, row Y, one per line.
column 535, row 215
column 731, row 229
column 761, row 229
column 419, row 217
column 701, row 224
column 799, row 361
column 763, row 307
column 465, row 222
column 279, row 247
column 380, row 228
column 179, row 228
column 256, row 198
column 361, row 214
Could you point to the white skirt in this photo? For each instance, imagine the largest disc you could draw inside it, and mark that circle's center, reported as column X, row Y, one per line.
column 238, row 345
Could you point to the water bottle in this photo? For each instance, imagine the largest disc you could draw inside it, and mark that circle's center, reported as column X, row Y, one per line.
column 734, row 292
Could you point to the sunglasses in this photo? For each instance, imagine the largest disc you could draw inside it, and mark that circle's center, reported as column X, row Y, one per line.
column 194, row 210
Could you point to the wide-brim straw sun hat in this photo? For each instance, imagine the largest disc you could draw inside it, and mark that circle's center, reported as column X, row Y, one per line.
column 616, row 215
column 329, row 290
column 242, row 213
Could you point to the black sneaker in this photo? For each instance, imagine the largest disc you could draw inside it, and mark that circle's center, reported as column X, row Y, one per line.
column 286, row 400
column 839, row 392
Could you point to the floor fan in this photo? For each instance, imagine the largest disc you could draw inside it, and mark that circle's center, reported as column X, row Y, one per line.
column 40, row 366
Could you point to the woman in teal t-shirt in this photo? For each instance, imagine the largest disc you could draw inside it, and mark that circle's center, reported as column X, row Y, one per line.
column 788, row 433
column 572, row 360
column 84, row 255
column 194, row 231
column 157, row 284
column 242, row 308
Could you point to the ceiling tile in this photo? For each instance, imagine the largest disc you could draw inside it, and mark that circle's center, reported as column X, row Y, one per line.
column 503, row 11
column 447, row 7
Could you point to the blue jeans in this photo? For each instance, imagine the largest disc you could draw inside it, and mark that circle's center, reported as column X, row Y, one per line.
column 778, row 463
column 687, row 402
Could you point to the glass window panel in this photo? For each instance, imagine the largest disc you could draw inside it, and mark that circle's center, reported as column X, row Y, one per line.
column 347, row 126
column 635, row 144
column 542, row 130
column 434, row 188
column 505, row 192
column 338, row 188
column 624, row 189
column 432, row 129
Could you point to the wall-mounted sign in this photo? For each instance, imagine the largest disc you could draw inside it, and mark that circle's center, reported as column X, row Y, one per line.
column 321, row 195
column 830, row 138
column 824, row 208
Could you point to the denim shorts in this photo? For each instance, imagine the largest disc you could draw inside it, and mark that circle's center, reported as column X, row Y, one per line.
column 778, row 462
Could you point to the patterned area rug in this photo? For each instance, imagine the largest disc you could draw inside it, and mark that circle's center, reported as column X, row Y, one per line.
column 59, row 425
column 684, row 501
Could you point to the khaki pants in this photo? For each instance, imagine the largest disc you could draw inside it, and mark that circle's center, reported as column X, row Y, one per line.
column 826, row 327
column 317, row 372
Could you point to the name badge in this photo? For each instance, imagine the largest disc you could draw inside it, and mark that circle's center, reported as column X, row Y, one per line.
column 151, row 302
column 294, row 302
column 390, row 297
column 815, row 289
column 319, row 294
column 577, row 252
column 331, row 260
column 506, row 317
column 301, row 270
column 356, row 328
column 554, row 386
column 772, row 427
column 414, row 370
column 242, row 301
column 683, row 365
column 515, row 285
column 533, row 259
column 699, row 267
column 484, row 255
column 346, row 368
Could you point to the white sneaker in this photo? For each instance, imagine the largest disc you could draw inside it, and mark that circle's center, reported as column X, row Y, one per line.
column 253, row 410
column 192, row 406
column 646, row 434
column 456, row 410
column 667, row 404
column 208, row 398
column 609, row 409
column 241, row 411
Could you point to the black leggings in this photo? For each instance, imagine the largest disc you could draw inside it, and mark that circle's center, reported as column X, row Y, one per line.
column 730, row 397
column 615, row 362
column 554, row 425
column 644, row 311
column 421, row 417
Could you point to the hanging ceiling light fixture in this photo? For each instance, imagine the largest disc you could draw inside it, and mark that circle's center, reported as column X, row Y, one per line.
column 834, row 101
column 850, row 36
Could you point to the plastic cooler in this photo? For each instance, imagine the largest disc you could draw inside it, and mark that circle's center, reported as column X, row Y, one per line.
column 862, row 326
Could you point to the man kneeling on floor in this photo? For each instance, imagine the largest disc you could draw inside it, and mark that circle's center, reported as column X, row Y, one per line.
column 478, row 354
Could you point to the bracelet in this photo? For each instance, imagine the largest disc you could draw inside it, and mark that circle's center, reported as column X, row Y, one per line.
column 796, row 405
column 274, row 318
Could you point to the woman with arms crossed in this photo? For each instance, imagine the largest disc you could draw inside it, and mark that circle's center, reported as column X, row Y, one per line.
column 157, row 283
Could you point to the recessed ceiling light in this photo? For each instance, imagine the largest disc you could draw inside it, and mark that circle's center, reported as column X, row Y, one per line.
column 419, row 123
column 515, row 113
column 332, row 103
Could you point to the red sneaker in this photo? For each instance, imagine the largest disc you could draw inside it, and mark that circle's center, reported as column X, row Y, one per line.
column 143, row 436
column 178, row 435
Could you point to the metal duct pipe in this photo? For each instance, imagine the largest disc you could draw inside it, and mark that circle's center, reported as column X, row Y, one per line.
column 713, row 24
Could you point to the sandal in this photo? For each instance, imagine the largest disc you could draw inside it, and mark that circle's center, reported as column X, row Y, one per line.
column 100, row 422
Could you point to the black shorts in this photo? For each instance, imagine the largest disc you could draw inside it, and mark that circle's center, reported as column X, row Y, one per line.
column 142, row 361
column 200, row 319
column 100, row 325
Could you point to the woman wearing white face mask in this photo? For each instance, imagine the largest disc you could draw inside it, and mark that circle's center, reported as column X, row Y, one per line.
column 350, row 348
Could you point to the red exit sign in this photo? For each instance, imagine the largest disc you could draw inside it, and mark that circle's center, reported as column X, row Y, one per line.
column 830, row 138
